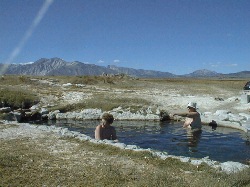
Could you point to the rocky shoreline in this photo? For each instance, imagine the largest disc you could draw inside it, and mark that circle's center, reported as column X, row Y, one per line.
column 215, row 111
column 224, row 118
column 37, row 130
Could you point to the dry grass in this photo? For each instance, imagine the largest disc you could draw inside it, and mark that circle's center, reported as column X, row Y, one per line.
column 200, row 86
column 112, row 93
column 105, row 103
column 50, row 161
column 29, row 162
column 109, row 102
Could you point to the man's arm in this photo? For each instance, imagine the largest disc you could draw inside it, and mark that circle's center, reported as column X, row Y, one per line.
column 187, row 114
column 114, row 137
column 98, row 132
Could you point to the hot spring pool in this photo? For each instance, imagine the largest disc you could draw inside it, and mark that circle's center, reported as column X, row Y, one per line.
column 222, row 144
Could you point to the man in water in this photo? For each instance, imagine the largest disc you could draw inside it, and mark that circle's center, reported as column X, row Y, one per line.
column 105, row 130
column 192, row 122
column 193, row 119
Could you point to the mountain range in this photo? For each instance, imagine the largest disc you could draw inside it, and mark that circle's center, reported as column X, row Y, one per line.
column 57, row 66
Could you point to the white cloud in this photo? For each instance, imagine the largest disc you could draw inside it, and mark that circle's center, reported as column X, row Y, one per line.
column 220, row 64
column 217, row 64
column 100, row 62
column 116, row 61
column 27, row 63
column 231, row 65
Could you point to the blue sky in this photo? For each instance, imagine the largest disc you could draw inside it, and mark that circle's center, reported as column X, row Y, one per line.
column 176, row 36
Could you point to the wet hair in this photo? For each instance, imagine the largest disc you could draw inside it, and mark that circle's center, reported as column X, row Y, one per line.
column 108, row 117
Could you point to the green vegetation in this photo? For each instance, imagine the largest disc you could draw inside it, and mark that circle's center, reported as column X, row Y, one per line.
column 105, row 103
column 12, row 80
column 109, row 102
column 17, row 98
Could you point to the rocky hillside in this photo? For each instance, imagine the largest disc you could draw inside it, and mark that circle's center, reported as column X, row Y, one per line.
column 140, row 72
column 57, row 66
column 203, row 73
column 242, row 74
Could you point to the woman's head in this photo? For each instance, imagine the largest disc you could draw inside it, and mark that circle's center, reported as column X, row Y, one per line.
column 108, row 117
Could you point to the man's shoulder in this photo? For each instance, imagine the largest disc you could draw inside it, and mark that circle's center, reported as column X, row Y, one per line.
column 111, row 127
column 98, row 126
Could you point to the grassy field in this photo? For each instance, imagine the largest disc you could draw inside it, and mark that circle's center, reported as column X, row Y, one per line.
column 32, row 89
column 53, row 161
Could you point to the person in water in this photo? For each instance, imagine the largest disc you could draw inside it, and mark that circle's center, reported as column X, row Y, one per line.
column 105, row 130
column 193, row 119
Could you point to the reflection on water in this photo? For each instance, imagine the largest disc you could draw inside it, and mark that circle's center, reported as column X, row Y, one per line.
column 221, row 144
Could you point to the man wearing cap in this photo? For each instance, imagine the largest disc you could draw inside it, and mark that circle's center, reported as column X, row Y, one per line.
column 193, row 119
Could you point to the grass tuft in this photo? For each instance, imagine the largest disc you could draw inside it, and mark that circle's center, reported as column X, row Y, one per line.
column 17, row 98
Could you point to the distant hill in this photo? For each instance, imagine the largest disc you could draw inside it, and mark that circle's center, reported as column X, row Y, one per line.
column 241, row 74
column 203, row 73
column 57, row 66
column 140, row 72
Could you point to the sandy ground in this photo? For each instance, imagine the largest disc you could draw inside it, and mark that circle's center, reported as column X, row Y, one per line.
column 170, row 99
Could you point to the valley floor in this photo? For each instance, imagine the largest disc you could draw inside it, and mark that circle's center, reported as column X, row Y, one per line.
column 32, row 157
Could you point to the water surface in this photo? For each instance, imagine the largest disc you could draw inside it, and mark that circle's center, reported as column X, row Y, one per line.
column 222, row 144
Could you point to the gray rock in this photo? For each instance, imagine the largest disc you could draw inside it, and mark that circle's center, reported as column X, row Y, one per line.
column 67, row 84
column 222, row 112
column 247, row 116
column 52, row 115
column 196, row 162
column 44, row 111
column 5, row 110
column 15, row 116
column 34, row 108
column 223, row 117
column 236, row 117
column 232, row 167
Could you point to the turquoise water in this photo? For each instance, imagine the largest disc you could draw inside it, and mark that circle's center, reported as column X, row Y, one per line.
column 222, row 144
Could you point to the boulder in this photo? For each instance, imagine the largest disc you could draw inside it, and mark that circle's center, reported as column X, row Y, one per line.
column 247, row 116
column 222, row 112
column 34, row 108
column 44, row 111
column 236, row 117
column 52, row 115
column 5, row 110
column 14, row 116
column 232, row 167
column 67, row 84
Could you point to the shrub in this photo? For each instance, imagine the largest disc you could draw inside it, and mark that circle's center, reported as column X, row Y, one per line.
column 17, row 99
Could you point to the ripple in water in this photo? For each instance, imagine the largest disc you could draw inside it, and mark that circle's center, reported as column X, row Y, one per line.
column 222, row 144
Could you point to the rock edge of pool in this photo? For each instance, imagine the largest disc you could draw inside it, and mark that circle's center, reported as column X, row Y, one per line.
column 32, row 130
